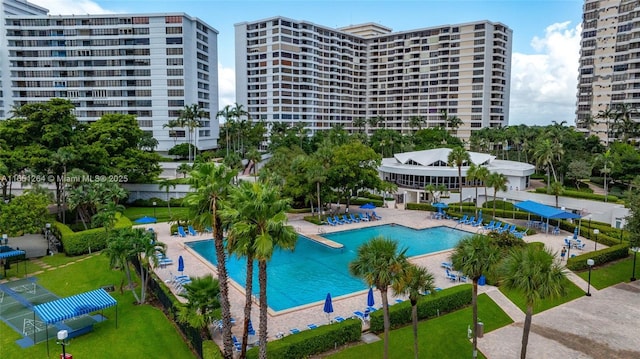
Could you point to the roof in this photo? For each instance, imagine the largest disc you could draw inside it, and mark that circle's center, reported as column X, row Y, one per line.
column 76, row 305
column 545, row 211
column 439, row 157
column 11, row 254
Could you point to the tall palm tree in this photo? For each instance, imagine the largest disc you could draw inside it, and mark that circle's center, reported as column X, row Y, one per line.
column 472, row 176
column 259, row 226
column 191, row 116
column 474, row 256
column 414, row 281
column 605, row 160
column 167, row 184
column 119, row 253
column 380, row 264
column 202, row 301
column 536, row 274
column 556, row 189
column 458, row 157
column 210, row 184
column 544, row 155
column 228, row 114
column 482, row 175
column 146, row 249
column 416, row 122
column 360, row 123
column 498, row 182
column 607, row 115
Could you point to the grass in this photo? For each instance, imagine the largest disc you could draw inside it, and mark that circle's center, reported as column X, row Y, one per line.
column 161, row 213
column 572, row 292
column 611, row 273
column 59, row 259
column 442, row 337
column 143, row 330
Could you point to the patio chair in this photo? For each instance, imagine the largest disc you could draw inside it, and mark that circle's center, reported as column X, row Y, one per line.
column 339, row 319
column 452, row 277
column 478, row 222
column 495, row 226
column 192, row 231
column 556, row 230
column 490, row 225
column 446, row 265
column 236, row 344
column 337, row 220
column 294, row 330
column 353, row 218
column 250, row 329
column 330, row 221
column 362, row 316
column 346, row 219
column 503, row 228
column 181, row 231
column 464, row 219
column 312, row 326
column 374, row 215
column 363, row 218
column 470, row 220
column 512, row 229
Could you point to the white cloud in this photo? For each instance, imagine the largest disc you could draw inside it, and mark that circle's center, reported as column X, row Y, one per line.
column 71, row 7
column 226, row 86
column 543, row 84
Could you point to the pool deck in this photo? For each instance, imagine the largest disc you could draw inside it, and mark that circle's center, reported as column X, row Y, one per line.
column 300, row 317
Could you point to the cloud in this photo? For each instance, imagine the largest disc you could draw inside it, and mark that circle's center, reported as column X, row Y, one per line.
column 544, row 84
column 226, row 86
column 71, row 7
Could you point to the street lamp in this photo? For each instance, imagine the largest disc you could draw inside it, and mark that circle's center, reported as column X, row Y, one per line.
column 504, row 205
column 590, row 263
column 62, row 340
column 47, row 232
column 154, row 209
column 5, row 239
column 596, row 231
column 569, row 248
column 633, row 271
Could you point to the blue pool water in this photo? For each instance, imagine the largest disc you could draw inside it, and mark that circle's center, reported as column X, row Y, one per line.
column 312, row 270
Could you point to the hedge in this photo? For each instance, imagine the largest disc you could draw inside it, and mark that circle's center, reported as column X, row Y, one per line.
column 429, row 306
column 311, row 342
column 600, row 257
column 175, row 202
column 95, row 239
column 583, row 195
column 608, row 235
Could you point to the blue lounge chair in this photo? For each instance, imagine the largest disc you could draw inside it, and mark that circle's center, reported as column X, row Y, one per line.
column 337, row 220
column 294, row 330
column 504, row 228
column 362, row 316
column 464, row 219
column 470, row 220
column 181, row 231
column 236, row 344
column 462, row 278
column 346, row 219
column 353, row 218
column 330, row 221
column 478, row 222
column 312, row 326
column 363, row 218
column 374, row 215
column 399, row 300
column 490, row 225
column 513, row 229
column 192, row 231
column 250, row 330
column 339, row 319
column 446, row 265
column 451, row 276
column 208, row 229
column 556, row 230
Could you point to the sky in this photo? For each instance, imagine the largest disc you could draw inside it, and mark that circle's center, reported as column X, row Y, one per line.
column 546, row 36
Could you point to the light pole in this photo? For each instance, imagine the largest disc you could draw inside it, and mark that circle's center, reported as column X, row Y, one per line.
column 62, row 340
column 633, row 271
column 154, row 209
column 589, row 231
column 5, row 239
column 590, row 263
column 504, row 205
column 47, row 230
column 569, row 248
column 595, row 246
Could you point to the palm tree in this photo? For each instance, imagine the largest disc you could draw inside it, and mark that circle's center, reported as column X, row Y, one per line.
column 556, row 189
column 545, row 154
column 380, row 264
column 167, row 184
column 119, row 252
column 171, row 125
column 453, row 122
column 253, row 155
column 146, row 249
column 210, row 183
column 414, row 281
column 360, row 123
column 498, row 182
column 184, row 169
column 227, row 113
column 475, row 256
column 606, row 161
column 607, row 115
column 258, row 227
column 472, row 176
column 482, row 175
column 191, row 115
column 459, row 156
column 202, row 301
column 416, row 122
column 536, row 274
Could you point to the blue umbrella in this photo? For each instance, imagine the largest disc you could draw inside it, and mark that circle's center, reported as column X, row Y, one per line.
column 146, row 220
column 370, row 301
column 328, row 305
column 368, row 206
column 180, row 264
column 575, row 233
column 440, row 205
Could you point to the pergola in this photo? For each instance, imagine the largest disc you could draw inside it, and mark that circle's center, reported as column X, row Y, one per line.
column 545, row 211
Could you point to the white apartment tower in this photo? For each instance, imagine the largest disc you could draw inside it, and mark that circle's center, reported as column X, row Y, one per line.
column 148, row 65
column 295, row 71
column 609, row 75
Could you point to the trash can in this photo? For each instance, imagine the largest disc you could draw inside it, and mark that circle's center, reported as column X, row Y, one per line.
column 482, row 280
column 480, row 329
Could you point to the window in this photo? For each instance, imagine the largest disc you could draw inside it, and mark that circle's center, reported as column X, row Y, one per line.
column 173, row 19
column 174, row 40
column 174, row 30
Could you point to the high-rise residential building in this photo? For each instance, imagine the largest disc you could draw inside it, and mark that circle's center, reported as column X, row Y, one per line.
column 609, row 71
column 147, row 65
column 299, row 72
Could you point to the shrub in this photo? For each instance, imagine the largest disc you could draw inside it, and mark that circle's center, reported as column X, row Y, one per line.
column 310, row 342
column 429, row 306
column 78, row 243
column 581, row 194
column 600, row 257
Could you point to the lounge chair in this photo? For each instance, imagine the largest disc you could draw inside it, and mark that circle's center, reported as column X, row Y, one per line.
column 363, row 218
column 478, row 222
column 470, row 220
column 208, row 229
column 181, row 231
column 250, row 330
column 490, row 225
column 339, row 319
column 312, row 326
column 346, row 219
column 374, row 215
column 462, row 278
column 163, row 262
column 362, row 316
column 369, row 218
column 503, row 228
column 464, row 219
column 338, row 220
column 513, row 229
column 581, row 246
column 192, row 231
column 451, row 276
column 446, row 265
column 399, row 300
column 294, row 330
column 236, row 344
column 331, row 222
column 353, row 218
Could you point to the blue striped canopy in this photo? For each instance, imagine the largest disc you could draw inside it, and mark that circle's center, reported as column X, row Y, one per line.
column 11, row 254
column 76, row 305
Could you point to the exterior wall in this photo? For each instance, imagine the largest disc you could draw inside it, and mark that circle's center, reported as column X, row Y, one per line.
column 148, row 65
column 295, row 71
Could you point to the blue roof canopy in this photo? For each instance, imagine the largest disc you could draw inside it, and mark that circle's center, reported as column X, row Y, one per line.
column 11, row 254
column 545, row 211
column 76, row 305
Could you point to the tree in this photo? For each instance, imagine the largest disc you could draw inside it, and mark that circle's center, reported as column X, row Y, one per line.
column 360, row 123
column 380, row 264
column 607, row 115
column 228, row 114
column 412, row 282
column 167, row 185
column 202, row 300
column 24, row 214
column 253, row 155
column 416, row 122
column 474, row 256
column 182, row 151
column 545, row 154
column 605, row 163
column 536, row 274
column 191, row 116
column 579, row 170
column 453, row 122
column 210, row 184
column 354, row 166
column 556, row 189
column 184, row 169
column 472, row 176
column 498, row 182
column 258, row 227
column 458, row 157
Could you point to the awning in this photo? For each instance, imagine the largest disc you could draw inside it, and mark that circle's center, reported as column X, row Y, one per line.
column 545, row 211
column 4, row 255
column 76, row 305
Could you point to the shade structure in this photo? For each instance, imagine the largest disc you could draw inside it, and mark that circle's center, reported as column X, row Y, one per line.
column 76, row 305
column 13, row 253
column 440, row 205
column 180, row 264
column 370, row 301
column 328, row 305
column 146, row 220
column 368, row 206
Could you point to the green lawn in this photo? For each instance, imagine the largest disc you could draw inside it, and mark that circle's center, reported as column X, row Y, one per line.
column 143, row 330
column 611, row 273
column 442, row 337
column 572, row 292
column 161, row 213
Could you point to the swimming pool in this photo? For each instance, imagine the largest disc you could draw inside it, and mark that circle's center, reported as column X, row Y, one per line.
column 307, row 274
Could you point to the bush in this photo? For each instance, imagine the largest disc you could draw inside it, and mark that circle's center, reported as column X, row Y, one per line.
column 429, row 306
column 78, row 243
column 175, row 202
column 583, row 195
column 311, row 342
column 599, row 257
